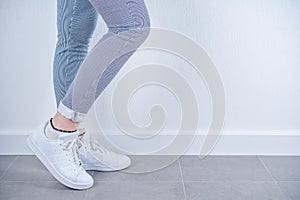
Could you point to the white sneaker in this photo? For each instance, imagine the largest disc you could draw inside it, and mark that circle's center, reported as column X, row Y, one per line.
column 60, row 157
column 95, row 157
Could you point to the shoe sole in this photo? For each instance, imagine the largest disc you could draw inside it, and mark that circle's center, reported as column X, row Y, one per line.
column 52, row 170
column 104, row 168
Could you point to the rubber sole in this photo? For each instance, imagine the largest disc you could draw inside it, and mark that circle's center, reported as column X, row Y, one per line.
column 104, row 168
column 52, row 170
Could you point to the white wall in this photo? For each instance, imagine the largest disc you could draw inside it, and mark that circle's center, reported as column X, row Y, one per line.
column 254, row 44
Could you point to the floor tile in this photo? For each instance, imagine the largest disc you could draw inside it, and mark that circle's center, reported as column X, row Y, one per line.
column 291, row 189
column 223, row 168
column 136, row 190
column 5, row 161
column 236, row 190
column 283, row 168
column 27, row 168
column 36, row 190
column 212, row 178
column 168, row 173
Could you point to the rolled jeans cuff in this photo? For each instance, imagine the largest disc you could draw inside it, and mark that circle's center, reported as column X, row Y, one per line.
column 70, row 114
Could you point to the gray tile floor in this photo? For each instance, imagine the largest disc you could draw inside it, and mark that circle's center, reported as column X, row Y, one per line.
column 189, row 178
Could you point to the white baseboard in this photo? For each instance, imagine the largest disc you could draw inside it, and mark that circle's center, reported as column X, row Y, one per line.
column 230, row 143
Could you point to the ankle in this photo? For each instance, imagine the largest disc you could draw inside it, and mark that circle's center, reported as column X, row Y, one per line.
column 81, row 131
column 61, row 123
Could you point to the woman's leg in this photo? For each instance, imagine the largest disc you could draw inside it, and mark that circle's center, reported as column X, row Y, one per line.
column 56, row 142
column 76, row 22
column 128, row 26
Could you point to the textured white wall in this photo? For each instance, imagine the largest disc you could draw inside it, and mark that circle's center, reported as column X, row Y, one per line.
column 254, row 44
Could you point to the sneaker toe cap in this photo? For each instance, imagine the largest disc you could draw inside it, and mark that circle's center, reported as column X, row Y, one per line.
column 121, row 162
column 85, row 178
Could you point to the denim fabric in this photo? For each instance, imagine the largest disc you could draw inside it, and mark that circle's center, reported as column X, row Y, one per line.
column 80, row 77
column 76, row 22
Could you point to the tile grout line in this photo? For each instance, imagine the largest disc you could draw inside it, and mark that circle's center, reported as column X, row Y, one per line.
column 85, row 194
column 218, row 181
column 273, row 178
column 181, row 174
column 32, row 181
column 8, row 168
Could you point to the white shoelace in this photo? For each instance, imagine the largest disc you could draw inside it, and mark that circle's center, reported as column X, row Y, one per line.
column 95, row 145
column 72, row 145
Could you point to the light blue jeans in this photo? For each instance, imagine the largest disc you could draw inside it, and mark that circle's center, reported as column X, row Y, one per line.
column 80, row 76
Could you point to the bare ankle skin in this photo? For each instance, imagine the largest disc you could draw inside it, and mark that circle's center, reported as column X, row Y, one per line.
column 81, row 131
column 62, row 123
